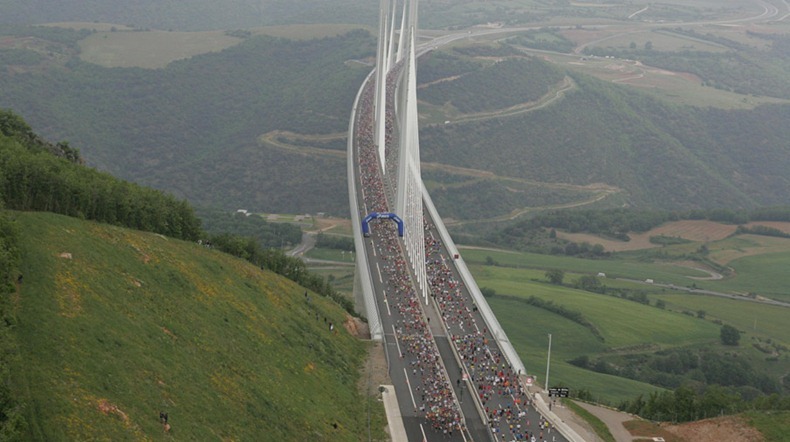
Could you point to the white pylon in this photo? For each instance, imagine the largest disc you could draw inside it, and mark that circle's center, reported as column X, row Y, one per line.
column 409, row 182
column 402, row 35
column 391, row 48
column 381, row 84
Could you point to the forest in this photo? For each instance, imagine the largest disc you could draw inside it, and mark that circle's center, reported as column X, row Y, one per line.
column 192, row 127
column 508, row 83
column 190, row 15
column 685, row 404
column 195, row 15
column 663, row 156
column 38, row 176
column 267, row 235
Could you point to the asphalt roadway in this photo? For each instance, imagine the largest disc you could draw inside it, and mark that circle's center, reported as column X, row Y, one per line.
column 408, row 382
column 463, row 320
column 523, row 419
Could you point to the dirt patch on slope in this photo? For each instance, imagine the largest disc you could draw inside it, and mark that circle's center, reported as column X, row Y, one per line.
column 356, row 327
column 729, row 428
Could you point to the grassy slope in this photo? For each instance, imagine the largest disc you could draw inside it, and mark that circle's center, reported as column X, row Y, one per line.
column 527, row 328
column 144, row 324
column 774, row 426
column 623, row 324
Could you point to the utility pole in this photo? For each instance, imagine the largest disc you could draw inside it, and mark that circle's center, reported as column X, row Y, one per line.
column 548, row 363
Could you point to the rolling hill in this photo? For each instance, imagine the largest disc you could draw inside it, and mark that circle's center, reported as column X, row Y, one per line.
column 196, row 128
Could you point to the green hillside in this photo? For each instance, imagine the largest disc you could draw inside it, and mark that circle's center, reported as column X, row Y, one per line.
column 115, row 325
column 223, row 129
column 661, row 155
column 192, row 128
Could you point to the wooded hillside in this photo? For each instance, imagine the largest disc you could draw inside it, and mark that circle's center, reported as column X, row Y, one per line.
column 192, row 128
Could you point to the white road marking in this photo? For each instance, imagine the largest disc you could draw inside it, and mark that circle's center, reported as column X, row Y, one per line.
column 378, row 269
column 413, row 402
column 387, row 303
column 396, row 340
column 424, row 438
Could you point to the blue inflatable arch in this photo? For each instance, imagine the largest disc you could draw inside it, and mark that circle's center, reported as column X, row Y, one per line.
column 381, row 215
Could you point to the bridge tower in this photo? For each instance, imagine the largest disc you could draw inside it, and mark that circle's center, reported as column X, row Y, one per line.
column 382, row 67
column 408, row 201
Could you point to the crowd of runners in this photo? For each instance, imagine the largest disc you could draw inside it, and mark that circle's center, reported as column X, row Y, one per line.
column 493, row 381
column 433, row 394
column 497, row 386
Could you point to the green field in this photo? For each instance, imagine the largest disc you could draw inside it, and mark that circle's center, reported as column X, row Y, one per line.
column 331, row 255
column 613, row 268
column 115, row 326
column 764, row 275
column 757, row 319
column 662, row 41
column 621, row 322
column 623, row 327
column 528, row 328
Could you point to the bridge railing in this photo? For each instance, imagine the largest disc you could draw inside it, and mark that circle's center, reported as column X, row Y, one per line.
column 363, row 268
column 469, row 281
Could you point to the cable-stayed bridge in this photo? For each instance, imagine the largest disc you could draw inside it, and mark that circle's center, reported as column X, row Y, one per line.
column 455, row 372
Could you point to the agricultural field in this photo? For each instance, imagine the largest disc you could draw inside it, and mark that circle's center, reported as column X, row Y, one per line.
column 150, row 49
column 615, row 327
column 153, row 49
column 757, row 264
column 762, row 275
column 612, row 268
column 677, row 87
column 660, row 40
column 761, row 320
column 694, row 230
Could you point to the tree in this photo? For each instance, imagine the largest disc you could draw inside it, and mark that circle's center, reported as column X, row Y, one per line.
column 729, row 335
column 591, row 283
column 487, row 292
column 572, row 249
column 555, row 276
